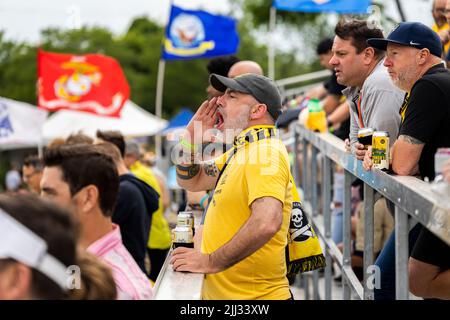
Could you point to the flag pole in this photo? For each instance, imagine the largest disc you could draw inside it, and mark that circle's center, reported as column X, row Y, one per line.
column 159, row 96
column 158, row 104
column 270, row 46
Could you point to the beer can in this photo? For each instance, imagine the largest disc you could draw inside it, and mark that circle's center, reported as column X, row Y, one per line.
column 380, row 150
column 365, row 137
column 186, row 218
column 182, row 236
column 440, row 158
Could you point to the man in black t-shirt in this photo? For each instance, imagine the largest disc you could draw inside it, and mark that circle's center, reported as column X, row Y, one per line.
column 414, row 64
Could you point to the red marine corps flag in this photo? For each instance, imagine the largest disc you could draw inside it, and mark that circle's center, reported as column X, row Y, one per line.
column 92, row 83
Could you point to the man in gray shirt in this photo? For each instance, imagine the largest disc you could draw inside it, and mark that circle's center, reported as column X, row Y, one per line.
column 374, row 101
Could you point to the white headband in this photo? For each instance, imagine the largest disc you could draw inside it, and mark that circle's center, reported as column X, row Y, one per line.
column 20, row 243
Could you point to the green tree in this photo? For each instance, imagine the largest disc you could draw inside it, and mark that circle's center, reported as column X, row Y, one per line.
column 138, row 51
column 17, row 70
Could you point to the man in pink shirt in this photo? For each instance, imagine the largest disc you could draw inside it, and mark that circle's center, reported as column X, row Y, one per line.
column 83, row 177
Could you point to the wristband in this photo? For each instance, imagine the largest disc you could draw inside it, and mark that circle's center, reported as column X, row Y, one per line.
column 188, row 145
column 202, row 201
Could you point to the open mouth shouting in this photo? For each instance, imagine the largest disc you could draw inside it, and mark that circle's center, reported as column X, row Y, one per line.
column 219, row 121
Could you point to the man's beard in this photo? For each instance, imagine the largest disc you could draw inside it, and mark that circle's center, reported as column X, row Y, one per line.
column 404, row 81
column 235, row 126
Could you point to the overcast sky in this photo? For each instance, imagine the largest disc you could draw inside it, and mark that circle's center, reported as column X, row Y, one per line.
column 23, row 19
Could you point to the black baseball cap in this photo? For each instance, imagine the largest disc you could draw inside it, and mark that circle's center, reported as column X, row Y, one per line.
column 411, row 34
column 261, row 88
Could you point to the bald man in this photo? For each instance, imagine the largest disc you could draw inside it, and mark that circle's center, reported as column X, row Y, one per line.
column 246, row 66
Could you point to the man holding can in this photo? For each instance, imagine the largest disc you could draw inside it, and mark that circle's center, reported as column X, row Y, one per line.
column 374, row 104
column 414, row 64
column 373, row 100
column 245, row 231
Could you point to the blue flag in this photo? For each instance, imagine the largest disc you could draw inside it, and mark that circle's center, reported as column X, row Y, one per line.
column 339, row 6
column 198, row 34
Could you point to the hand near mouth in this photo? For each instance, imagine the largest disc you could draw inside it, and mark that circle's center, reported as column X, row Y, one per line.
column 203, row 120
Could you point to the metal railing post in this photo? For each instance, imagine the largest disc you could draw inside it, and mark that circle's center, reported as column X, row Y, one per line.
column 347, row 206
column 296, row 164
column 326, row 186
column 305, row 180
column 314, row 182
column 306, row 285
column 368, row 238
column 401, row 254
column 315, row 206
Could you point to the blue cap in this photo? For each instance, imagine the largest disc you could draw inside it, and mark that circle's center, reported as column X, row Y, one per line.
column 411, row 34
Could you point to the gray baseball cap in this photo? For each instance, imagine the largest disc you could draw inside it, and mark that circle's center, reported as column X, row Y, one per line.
column 261, row 88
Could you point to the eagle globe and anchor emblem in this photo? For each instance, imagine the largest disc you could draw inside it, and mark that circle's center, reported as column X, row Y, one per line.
column 72, row 87
column 187, row 35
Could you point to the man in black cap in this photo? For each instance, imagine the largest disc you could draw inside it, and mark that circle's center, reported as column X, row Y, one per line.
column 414, row 65
column 245, row 230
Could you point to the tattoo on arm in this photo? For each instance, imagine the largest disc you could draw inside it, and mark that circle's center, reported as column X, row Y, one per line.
column 211, row 169
column 187, row 173
column 410, row 139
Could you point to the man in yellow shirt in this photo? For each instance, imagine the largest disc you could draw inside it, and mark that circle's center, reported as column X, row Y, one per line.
column 245, row 233
column 440, row 25
column 160, row 238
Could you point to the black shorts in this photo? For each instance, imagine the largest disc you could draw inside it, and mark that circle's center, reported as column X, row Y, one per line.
column 432, row 250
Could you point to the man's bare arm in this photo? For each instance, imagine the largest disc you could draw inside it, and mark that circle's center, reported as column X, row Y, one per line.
column 264, row 222
column 340, row 114
column 197, row 177
column 406, row 153
column 330, row 103
column 428, row 281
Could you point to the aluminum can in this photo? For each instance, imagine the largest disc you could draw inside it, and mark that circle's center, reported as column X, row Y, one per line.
column 380, row 150
column 182, row 236
column 441, row 156
column 365, row 137
column 186, row 218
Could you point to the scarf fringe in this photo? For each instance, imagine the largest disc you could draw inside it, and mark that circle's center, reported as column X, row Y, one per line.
column 306, row 264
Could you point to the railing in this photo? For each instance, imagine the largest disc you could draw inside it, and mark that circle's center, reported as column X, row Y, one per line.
column 283, row 84
column 412, row 197
column 174, row 285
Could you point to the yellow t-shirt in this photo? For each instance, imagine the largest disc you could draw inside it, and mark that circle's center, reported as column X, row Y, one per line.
column 160, row 237
column 437, row 30
column 259, row 169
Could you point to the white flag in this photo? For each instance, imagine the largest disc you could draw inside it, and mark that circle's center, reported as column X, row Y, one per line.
column 20, row 124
